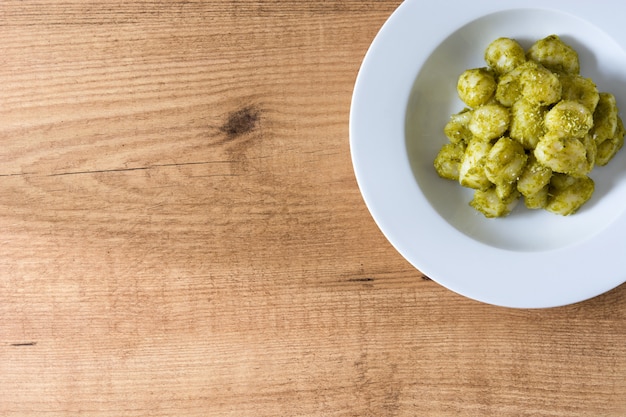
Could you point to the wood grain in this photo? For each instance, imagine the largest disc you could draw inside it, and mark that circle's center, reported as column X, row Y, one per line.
column 182, row 234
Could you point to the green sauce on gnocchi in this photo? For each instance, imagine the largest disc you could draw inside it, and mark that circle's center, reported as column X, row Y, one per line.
column 533, row 130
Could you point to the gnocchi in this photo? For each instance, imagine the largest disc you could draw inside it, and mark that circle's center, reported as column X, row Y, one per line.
column 577, row 88
column 533, row 129
column 533, row 183
column 569, row 119
column 540, row 86
column 476, row 86
column 489, row 121
column 472, row 167
column 504, row 55
column 555, row 55
column 527, row 123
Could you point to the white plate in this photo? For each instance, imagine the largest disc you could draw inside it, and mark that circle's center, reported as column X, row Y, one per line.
column 405, row 93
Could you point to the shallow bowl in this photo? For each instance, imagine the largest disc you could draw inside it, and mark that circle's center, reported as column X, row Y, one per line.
column 405, row 93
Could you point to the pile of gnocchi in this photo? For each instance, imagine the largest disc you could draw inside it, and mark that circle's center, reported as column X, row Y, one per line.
column 533, row 130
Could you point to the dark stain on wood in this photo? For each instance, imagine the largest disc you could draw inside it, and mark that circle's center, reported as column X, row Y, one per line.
column 241, row 122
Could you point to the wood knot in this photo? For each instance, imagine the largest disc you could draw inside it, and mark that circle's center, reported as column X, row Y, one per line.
column 241, row 122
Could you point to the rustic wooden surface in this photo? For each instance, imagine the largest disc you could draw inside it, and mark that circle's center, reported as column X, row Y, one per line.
column 182, row 234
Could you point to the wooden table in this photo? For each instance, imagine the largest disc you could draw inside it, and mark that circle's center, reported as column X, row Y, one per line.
column 182, row 233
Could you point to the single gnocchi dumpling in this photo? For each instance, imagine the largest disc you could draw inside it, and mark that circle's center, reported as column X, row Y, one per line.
column 472, row 168
column 604, row 118
column 509, row 88
column 476, row 86
column 580, row 89
column 591, row 153
column 489, row 121
column 448, row 160
column 505, row 189
column 457, row 128
column 562, row 154
column 608, row 148
column 568, row 194
column 537, row 200
column 569, row 118
column 505, row 161
column 534, row 177
column 540, row 86
column 504, row 55
column 491, row 205
column 554, row 54
column 527, row 123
